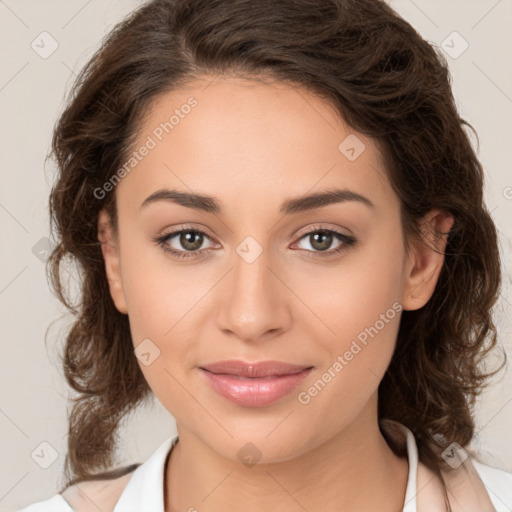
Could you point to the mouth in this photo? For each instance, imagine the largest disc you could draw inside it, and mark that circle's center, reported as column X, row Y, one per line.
column 254, row 384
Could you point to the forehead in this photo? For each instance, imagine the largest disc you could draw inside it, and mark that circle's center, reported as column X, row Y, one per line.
column 247, row 141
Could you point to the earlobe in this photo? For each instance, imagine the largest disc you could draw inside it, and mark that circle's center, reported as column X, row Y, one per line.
column 109, row 248
column 426, row 260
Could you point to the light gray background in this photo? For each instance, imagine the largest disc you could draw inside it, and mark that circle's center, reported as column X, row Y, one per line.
column 32, row 91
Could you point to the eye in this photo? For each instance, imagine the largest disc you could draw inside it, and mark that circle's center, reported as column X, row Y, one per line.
column 321, row 239
column 190, row 240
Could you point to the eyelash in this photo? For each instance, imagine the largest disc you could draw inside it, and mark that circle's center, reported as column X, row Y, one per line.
column 348, row 241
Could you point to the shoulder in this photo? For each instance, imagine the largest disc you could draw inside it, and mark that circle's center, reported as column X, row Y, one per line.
column 56, row 504
column 498, row 483
column 478, row 486
column 472, row 486
column 89, row 495
column 94, row 495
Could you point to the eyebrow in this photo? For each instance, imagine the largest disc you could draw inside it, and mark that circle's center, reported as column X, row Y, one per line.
column 304, row 203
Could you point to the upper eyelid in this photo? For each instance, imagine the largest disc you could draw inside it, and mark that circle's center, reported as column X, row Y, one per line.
column 317, row 227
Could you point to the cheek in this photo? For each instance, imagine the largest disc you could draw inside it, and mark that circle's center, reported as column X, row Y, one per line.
column 359, row 305
column 159, row 293
column 358, row 293
column 163, row 301
column 158, row 299
column 354, row 358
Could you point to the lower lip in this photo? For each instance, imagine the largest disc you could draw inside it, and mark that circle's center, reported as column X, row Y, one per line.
column 254, row 392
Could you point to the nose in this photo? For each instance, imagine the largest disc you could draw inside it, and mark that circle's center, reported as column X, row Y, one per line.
column 253, row 301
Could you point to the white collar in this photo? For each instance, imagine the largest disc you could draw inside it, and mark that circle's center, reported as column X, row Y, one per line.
column 145, row 489
column 411, row 490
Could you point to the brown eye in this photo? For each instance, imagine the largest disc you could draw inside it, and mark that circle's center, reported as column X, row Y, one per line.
column 321, row 240
column 184, row 242
column 191, row 240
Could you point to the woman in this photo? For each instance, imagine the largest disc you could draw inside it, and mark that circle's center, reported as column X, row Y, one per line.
column 280, row 225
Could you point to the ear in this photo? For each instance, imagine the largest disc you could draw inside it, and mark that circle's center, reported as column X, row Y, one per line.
column 110, row 250
column 426, row 259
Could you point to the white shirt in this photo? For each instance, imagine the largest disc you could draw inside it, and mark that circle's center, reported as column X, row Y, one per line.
column 145, row 489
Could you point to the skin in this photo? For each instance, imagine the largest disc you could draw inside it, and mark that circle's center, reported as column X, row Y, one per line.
column 253, row 145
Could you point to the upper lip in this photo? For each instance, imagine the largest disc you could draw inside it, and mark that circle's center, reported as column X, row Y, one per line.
column 255, row 369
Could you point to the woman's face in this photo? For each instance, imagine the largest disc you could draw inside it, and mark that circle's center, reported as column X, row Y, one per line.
column 269, row 280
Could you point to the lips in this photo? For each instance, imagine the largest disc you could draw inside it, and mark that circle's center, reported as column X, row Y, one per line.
column 254, row 370
column 254, row 384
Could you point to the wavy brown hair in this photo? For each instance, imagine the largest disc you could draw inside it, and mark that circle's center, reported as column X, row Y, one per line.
column 386, row 82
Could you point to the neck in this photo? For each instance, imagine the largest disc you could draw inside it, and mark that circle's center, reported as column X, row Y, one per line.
column 336, row 475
